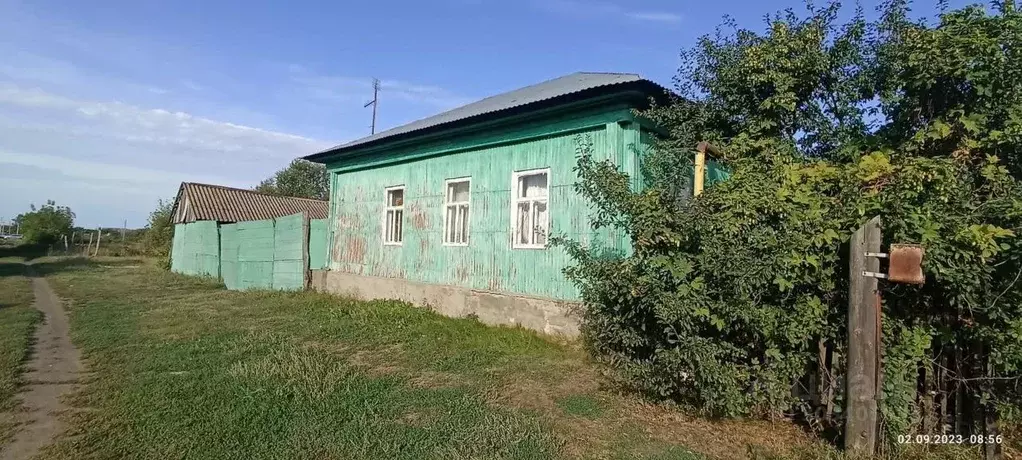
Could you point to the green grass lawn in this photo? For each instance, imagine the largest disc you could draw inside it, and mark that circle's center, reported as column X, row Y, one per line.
column 180, row 368
column 17, row 318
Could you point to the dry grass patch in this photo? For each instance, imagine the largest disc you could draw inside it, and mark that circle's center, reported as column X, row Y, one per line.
column 597, row 419
column 725, row 439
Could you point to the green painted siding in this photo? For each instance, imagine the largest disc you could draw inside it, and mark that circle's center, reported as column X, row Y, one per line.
column 196, row 249
column 288, row 268
column 488, row 262
column 317, row 243
column 229, row 247
column 255, row 254
column 264, row 254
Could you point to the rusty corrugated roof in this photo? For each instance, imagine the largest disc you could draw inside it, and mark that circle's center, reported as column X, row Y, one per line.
column 225, row 204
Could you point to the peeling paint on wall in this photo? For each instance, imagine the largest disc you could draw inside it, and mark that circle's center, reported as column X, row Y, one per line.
column 488, row 262
column 419, row 219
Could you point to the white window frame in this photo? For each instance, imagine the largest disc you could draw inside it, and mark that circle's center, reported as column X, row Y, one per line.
column 387, row 208
column 515, row 199
column 457, row 204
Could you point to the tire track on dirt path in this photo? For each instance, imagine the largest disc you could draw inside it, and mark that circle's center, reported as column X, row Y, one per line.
column 53, row 369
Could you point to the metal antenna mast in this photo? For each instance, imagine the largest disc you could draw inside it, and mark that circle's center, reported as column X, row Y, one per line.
column 376, row 93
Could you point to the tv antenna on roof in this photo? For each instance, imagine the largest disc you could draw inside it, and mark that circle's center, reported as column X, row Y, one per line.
column 374, row 102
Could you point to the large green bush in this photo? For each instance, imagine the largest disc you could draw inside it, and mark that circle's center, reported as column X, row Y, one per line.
column 46, row 224
column 728, row 299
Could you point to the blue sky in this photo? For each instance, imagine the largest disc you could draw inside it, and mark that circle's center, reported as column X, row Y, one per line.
column 107, row 106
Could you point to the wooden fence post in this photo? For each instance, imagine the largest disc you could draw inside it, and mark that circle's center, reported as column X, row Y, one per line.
column 99, row 236
column 88, row 248
column 863, row 377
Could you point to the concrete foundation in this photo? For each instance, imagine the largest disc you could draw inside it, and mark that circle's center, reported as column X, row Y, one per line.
column 494, row 308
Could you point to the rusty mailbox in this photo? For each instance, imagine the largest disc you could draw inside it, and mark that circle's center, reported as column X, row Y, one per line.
column 905, row 264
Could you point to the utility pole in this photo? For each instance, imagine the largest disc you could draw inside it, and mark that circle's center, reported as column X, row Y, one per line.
column 124, row 229
column 374, row 103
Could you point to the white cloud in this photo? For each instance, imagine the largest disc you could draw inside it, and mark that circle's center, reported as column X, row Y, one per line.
column 106, row 175
column 331, row 88
column 82, row 151
column 133, row 123
column 654, row 16
column 581, row 9
column 109, row 123
column 192, row 85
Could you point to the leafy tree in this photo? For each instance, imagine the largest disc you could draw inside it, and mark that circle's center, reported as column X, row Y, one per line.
column 46, row 224
column 723, row 301
column 300, row 178
column 158, row 235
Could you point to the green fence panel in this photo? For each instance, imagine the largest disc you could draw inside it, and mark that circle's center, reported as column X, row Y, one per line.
column 263, row 254
column 229, row 255
column 196, row 249
column 255, row 254
column 177, row 254
column 288, row 264
column 208, row 237
column 317, row 244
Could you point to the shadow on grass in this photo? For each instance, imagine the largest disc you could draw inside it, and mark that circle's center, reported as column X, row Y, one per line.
column 15, row 261
column 50, row 266
column 24, row 251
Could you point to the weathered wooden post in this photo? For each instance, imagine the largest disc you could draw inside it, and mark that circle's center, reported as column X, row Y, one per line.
column 88, row 248
column 306, row 269
column 864, row 327
column 99, row 236
column 862, row 381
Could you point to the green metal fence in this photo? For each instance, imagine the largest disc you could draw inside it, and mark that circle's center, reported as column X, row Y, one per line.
column 196, row 249
column 262, row 254
column 317, row 244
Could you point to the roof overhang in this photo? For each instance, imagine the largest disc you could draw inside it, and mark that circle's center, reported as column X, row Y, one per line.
column 637, row 94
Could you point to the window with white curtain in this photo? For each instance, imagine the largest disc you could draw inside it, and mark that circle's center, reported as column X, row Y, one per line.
column 456, row 212
column 393, row 214
column 529, row 213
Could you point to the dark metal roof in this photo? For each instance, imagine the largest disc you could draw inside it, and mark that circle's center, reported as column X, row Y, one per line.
column 226, row 204
column 550, row 89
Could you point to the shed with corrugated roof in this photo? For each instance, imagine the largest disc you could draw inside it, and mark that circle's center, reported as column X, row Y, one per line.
column 199, row 202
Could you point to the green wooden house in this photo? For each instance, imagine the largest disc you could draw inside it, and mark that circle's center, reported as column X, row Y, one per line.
column 456, row 211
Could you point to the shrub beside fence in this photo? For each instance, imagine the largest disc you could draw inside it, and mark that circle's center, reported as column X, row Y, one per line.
column 262, row 254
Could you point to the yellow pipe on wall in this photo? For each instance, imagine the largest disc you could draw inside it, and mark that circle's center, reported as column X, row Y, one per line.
column 699, row 174
column 700, row 166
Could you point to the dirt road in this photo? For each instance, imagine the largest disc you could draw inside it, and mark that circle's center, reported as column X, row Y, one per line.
column 53, row 369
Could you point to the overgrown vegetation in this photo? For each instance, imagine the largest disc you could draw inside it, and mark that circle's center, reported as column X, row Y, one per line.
column 729, row 298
